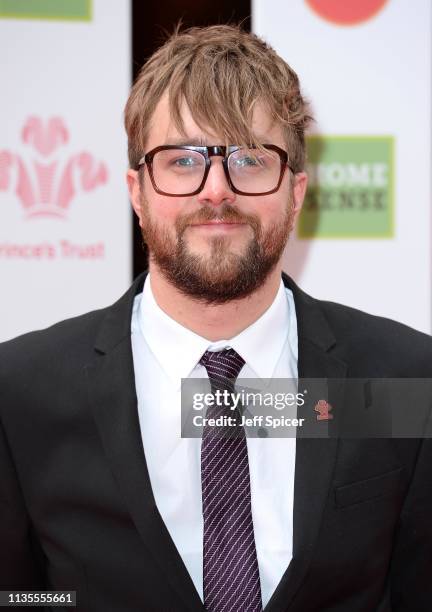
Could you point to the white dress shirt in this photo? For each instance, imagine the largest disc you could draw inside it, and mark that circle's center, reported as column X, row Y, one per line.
column 164, row 352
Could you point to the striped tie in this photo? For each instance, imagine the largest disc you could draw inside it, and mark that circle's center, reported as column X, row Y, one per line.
column 231, row 576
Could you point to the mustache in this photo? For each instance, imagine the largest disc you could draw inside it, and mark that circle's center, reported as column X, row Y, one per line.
column 226, row 213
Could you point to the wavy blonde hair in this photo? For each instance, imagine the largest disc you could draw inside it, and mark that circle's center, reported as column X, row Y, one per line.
column 221, row 72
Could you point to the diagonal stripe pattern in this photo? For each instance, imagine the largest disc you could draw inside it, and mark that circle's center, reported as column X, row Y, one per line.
column 231, row 575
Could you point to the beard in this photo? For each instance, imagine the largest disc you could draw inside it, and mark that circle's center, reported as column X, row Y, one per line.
column 220, row 275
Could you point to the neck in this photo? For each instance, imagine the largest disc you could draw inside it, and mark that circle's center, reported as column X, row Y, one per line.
column 214, row 321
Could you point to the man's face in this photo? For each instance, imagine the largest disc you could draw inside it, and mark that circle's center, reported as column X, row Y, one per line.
column 216, row 245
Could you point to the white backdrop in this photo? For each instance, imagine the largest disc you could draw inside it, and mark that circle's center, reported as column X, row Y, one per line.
column 65, row 225
column 372, row 78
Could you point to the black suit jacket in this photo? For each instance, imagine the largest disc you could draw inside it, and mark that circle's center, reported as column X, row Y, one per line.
column 76, row 505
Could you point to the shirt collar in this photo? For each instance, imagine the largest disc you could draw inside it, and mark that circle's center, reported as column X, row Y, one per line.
column 262, row 342
column 178, row 349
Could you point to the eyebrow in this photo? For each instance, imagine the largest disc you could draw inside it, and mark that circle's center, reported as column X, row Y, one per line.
column 201, row 141
column 184, row 142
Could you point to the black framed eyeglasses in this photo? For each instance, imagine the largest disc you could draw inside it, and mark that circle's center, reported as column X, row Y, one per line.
column 182, row 170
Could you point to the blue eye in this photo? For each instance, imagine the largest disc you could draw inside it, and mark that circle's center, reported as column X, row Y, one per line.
column 185, row 162
column 247, row 161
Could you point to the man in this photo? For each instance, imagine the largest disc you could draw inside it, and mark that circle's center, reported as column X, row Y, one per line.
column 99, row 493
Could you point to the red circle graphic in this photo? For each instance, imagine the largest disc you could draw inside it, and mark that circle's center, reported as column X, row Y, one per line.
column 346, row 12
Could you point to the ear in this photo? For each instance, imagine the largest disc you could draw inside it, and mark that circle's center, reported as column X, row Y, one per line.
column 134, row 189
column 299, row 192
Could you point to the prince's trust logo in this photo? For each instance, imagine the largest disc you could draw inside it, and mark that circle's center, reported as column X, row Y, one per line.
column 323, row 408
column 45, row 178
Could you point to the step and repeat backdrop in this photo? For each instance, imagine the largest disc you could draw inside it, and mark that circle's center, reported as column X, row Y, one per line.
column 364, row 237
column 65, row 235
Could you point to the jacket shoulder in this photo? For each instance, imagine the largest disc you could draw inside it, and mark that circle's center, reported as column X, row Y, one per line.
column 392, row 348
column 72, row 339
column 62, row 341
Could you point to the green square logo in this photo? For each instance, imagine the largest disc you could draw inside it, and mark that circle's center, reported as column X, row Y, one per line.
column 62, row 10
column 350, row 192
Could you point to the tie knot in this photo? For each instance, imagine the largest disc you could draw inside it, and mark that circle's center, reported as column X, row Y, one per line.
column 222, row 366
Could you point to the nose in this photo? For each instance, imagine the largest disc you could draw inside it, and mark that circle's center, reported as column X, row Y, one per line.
column 216, row 189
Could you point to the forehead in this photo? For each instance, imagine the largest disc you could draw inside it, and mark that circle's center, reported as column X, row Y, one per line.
column 164, row 131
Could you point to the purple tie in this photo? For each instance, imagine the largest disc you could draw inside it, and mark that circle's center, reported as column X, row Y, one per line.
column 231, row 576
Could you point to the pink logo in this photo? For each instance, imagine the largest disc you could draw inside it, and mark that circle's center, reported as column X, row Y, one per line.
column 47, row 182
column 323, row 407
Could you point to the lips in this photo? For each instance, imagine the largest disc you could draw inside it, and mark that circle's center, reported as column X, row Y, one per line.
column 217, row 226
column 218, row 223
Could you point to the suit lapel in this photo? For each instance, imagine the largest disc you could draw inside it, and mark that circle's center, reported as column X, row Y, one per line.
column 315, row 457
column 114, row 404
